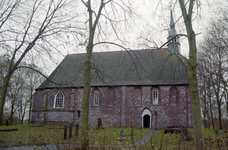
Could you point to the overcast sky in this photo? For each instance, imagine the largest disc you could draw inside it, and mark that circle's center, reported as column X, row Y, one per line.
column 151, row 22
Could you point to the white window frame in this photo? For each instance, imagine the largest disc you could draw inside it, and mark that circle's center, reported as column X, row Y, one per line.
column 96, row 98
column 63, row 97
column 155, row 95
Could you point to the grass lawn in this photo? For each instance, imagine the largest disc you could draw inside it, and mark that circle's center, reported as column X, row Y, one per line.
column 174, row 141
column 53, row 134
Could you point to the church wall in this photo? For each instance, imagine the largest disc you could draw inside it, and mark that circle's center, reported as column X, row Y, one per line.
column 44, row 111
column 109, row 112
column 118, row 106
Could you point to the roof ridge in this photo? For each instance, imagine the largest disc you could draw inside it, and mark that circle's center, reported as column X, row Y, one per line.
column 132, row 50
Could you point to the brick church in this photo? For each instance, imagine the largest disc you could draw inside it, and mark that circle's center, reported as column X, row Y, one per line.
column 138, row 88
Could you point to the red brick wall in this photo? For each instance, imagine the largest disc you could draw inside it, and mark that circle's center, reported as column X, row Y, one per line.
column 118, row 106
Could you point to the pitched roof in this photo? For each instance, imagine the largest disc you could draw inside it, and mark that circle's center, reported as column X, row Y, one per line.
column 138, row 67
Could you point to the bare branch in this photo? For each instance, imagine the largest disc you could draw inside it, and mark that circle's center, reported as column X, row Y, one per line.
column 172, row 39
column 3, row 20
column 85, row 3
column 112, row 44
column 39, row 73
column 190, row 9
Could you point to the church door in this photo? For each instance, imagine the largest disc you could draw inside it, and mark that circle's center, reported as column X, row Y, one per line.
column 146, row 121
column 146, row 118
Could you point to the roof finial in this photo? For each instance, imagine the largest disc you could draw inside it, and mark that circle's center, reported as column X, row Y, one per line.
column 171, row 17
column 173, row 45
column 170, row 5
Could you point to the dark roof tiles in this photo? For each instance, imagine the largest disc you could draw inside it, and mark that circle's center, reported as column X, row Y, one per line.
column 138, row 67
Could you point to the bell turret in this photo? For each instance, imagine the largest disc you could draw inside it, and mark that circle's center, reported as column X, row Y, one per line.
column 173, row 44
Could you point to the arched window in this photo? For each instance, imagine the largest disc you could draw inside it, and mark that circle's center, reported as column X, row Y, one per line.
column 96, row 98
column 155, row 96
column 59, row 100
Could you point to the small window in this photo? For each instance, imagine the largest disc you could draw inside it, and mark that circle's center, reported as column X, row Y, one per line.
column 79, row 114
column 155, row 96
column 59, row 100
column 96, row 98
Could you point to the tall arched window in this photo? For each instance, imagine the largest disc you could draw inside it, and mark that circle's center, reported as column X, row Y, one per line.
column 59, row 100
column 155, row 96
column 96, row 98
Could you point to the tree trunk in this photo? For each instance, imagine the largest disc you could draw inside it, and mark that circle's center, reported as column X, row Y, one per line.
column 226, row 102
column 212, row 117
column 87, row 74
column 205, row 110
column 220, row 115
column 209, row 97
column 192, row 64
column 23, row 113
column 3, row 96
column 30, row 105
column 11, row 113
column 218, row 100
column 196, row 114
column 208, row 119
column 204, row 119
column 85, row 106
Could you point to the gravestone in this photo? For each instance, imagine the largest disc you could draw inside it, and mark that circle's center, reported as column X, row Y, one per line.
column 122, row 133
column 122, row 136
column 132, row 132
column 186, row 134
column 70, row 130
column 77, row 126
column 182, row 133
column 65, row 132
column 99, row 123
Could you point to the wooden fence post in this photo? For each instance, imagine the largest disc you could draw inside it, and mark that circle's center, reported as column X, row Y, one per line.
column 77, row 126
column 70, row 130
column 65, row 132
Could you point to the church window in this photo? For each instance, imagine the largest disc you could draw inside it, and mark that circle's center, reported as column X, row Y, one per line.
column 79, row 114
column 96, row 98
column 155, row 96
column 59, row 100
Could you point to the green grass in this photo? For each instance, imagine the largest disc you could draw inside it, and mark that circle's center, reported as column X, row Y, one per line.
column 112, row 134
column 107, row 136
column 174, row 141
column 27, row 135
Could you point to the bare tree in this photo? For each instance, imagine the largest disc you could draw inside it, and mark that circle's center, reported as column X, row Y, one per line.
column 33, row 80
column 192, row 66
column 205, row 89
column 95, row 15
column 214, row 55
column 15, row 93
column 28, row 34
